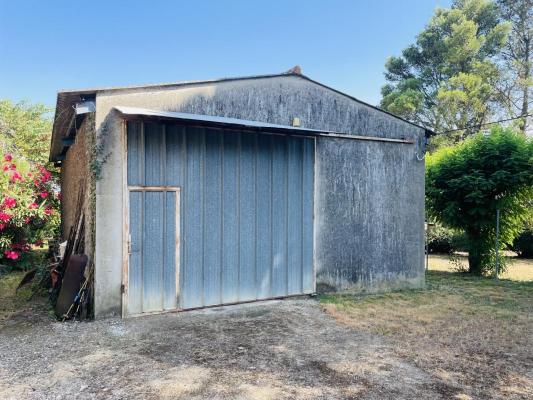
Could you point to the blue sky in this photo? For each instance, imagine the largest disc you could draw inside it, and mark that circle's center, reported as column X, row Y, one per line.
column 46, row 46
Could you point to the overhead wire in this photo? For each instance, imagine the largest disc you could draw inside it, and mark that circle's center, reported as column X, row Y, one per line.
column 486, row 123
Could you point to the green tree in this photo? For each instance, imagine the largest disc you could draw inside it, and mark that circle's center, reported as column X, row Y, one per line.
column 516, row 85
column 25, row 131
column 467, row 183
column 445, row 79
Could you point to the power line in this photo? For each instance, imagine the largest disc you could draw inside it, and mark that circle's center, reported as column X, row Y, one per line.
column 487, row 123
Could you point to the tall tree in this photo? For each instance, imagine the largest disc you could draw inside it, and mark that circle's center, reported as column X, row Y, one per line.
column 517, row 83
column 25, row 131
column 444, row 80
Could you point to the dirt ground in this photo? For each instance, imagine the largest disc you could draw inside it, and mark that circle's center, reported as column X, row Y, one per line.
column 459, row 339
column 277, row 350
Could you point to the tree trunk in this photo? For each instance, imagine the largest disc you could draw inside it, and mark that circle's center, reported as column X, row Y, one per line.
column 475, row 255
column 526, row 77
column 525, row 108
column 474, row 263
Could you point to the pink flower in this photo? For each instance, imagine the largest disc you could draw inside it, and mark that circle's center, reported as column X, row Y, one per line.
column 16, row 177
column 4, row 217
column 30, row 174
column 27, row 220
column 45, row 174
column 48, row 211
column 32, row 206
column 5, row 168
column 39, row 243
column 13, row 167
column 10, row 202
column 2, row 226
column 13, row 255
column 43, row 195
column 21, row 246
column 8, row 157
column 46, row 177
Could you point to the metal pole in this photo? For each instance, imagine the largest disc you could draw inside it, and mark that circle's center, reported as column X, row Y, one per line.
column 427, row 246
column 496, row 269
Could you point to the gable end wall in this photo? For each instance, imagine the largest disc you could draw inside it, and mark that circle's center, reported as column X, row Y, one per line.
column 368, row 178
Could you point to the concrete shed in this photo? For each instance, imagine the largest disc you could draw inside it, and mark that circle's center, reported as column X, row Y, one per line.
column 214, row 192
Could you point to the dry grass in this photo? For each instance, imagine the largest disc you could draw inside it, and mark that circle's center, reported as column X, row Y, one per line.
column 518, row 269
column 472, row 333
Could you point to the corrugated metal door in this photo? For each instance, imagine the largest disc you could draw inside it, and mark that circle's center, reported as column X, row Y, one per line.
column 246, row 217
column 153, row 241
column 153, row 249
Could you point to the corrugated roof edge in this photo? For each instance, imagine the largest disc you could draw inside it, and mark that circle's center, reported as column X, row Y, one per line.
column 65, row 94
column 214, row 120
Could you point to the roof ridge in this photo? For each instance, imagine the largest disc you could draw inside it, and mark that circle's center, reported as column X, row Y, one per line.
column 177, row 83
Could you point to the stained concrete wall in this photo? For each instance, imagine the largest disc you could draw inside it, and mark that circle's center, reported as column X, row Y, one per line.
column 349, row 167
column 369, row 216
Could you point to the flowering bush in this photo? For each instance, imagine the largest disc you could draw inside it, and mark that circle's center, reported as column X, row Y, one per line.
column 28, row 208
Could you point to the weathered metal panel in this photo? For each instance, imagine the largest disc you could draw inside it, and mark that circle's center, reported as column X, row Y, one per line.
column 153, row 260
column 308, row 272
column 169, row 256
column 230, row 222
column 263, row 243
column 135, row 151
column 135, row 270
column 279, row 216
column 246, row 215
column 213, row 219
column 192, row 284
column 175, row 155
column 295, row 217
column 153, row 149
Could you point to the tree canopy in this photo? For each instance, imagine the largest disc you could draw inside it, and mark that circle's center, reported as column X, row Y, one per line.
column 467, row 183
column 25, row 131
column 447, row 78
column 516, row 83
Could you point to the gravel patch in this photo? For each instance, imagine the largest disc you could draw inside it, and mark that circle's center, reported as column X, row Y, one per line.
column 287, row 349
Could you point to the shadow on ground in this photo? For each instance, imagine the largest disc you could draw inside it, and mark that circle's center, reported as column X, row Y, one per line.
column 273, row 350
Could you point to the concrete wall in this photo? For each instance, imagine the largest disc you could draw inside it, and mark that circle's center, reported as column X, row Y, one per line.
column 279, row 100
column 74, row 177
column 369, row 219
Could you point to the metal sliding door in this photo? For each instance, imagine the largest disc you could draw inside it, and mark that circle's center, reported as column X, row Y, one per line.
column 245, row 216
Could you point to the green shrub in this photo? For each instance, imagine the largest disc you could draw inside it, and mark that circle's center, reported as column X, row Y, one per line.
column 523, row 244
column 439, row 239
column 28, row 211
column 445, row 241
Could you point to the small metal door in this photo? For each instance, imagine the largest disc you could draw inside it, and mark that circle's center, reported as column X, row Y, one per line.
column 153, row 249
